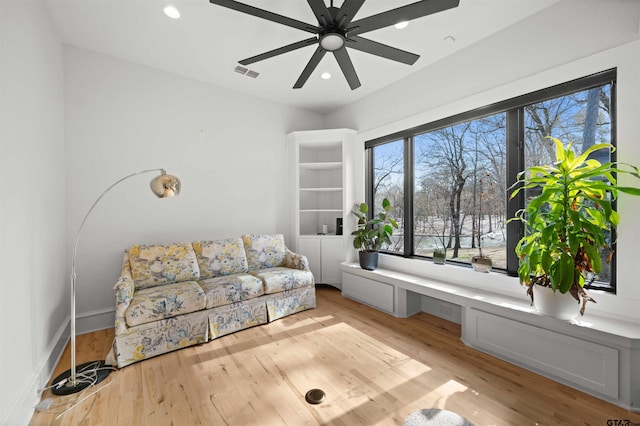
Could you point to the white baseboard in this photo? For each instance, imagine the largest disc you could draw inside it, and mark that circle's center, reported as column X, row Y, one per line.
column 99, row 319
column 24, row 408
column 87, row 322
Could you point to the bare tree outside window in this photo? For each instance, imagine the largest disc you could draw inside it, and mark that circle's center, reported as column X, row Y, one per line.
column 458, row 169
column 388, row 182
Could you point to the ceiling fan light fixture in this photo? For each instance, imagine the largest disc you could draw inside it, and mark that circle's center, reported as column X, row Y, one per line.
column 325, row 75
column 332, row 41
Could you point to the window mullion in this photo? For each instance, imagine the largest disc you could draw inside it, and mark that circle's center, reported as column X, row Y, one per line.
column 409, row 173
column 515, row 164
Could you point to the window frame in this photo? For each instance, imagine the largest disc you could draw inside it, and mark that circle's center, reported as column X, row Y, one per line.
column 514, row 108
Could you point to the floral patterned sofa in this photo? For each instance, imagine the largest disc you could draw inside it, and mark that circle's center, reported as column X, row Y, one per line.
column 176, row 295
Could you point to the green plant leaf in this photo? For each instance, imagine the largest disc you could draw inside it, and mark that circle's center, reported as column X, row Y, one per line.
column 594, row 258
column 564, row 273
column 629, row 190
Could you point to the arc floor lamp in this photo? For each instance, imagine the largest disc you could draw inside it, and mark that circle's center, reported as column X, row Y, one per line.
column 90, row 373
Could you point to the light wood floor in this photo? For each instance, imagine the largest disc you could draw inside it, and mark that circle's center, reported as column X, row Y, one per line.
column 374, row 368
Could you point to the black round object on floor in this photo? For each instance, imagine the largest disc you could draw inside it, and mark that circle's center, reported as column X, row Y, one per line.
column 87, row 374
column 315, row 396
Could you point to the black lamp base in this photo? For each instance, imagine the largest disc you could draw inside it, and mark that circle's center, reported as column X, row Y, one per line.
column 87, row 374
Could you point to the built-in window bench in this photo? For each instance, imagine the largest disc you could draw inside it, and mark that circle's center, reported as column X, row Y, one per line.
column 600, row 357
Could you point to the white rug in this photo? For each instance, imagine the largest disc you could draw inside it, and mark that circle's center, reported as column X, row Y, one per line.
column 435, row 417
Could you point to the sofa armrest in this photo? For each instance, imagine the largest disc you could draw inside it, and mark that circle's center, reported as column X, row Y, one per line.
column 296, row 261
column 124, row 289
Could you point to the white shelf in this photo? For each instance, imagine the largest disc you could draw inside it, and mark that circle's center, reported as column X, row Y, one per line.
column 334, row 165
column 322, row 189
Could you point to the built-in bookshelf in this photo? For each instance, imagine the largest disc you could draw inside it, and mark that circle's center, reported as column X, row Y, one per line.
column 320, row 198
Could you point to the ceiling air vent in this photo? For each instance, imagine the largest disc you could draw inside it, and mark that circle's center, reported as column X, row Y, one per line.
column 246, row 71
column 240, row 70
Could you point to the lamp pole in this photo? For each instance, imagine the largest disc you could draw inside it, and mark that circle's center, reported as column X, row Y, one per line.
column 163, row 186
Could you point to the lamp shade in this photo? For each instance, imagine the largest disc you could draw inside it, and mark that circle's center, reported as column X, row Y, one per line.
column 165, row 186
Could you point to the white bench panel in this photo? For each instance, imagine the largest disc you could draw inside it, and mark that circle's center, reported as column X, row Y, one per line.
column 373, row 293
column 587, row 364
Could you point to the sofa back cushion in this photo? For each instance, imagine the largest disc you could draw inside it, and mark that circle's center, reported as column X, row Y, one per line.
column 153, row 265
column 220, row 257
column 264, row 251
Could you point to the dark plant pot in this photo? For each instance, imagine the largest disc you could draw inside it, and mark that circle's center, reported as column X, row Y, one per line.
column 368, row 260
column 481, row 263
column 439, row 258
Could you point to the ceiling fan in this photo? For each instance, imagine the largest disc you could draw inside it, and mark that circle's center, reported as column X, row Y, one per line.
column 336, row 30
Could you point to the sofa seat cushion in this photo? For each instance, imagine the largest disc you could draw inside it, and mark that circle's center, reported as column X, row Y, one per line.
column 220, row 257
column 153, row 265
column 222, row 291
column 166, row 301
column 264, row 251
column 280, row 279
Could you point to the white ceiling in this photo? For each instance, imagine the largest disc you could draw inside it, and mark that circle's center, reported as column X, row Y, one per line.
column 208, row 40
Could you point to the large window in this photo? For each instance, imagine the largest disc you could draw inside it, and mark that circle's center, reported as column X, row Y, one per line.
column 449, row 180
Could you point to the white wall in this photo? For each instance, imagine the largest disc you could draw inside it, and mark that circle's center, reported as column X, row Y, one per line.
column 33, row 235
column 228, row 149
column 74, row 122
column 566, row 41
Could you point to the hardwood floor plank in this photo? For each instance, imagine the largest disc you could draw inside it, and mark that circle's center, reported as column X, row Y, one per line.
column 374, row 368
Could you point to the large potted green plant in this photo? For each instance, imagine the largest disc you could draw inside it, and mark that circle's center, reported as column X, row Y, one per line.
column 568, row 225
column 371, row 234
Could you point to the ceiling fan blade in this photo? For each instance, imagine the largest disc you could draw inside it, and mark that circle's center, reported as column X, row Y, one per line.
column 347, row 12
column 264, row 14
column 379, row 49
column 311, row 65
column 321, row 12
column 279, row 51
column 404, row 13
column 347, row 68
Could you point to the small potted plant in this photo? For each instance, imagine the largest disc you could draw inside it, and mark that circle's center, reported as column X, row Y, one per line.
column 568, row 224
column 371, row 234
column 439, row 255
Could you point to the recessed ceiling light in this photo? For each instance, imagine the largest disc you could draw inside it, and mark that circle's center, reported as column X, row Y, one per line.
column 401, row 25
column 171, row 12
column 325, row 76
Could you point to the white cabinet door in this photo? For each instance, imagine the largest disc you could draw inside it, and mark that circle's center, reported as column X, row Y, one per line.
column 310, row 247
column 332, row 256
column 325, row 255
